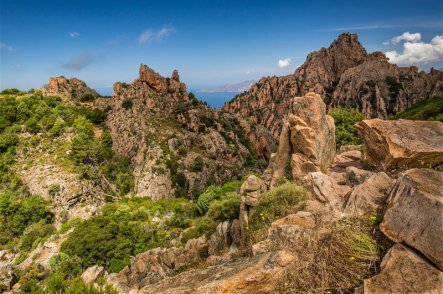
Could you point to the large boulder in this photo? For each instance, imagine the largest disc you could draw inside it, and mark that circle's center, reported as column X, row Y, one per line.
column 403, row 271
column 402, row 144
column 369, row 195
column 415, row 212
column 71, row 88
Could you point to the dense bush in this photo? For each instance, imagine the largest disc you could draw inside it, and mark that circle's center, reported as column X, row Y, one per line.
column 127, row 104
column 214, row 193
column 126, row 228
column 345, row 131
column 430, row 109
column 24, row 219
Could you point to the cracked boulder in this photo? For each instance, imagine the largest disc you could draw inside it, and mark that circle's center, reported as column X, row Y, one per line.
column 415, row 213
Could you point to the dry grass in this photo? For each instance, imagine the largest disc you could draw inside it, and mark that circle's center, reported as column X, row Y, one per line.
column 337, row 263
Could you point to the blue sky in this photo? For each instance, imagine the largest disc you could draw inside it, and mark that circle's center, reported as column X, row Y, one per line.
column 209, row 42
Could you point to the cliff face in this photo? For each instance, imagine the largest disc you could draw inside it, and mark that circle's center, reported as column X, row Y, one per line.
column 70, row 88
column 344, row 75
column 177, row 144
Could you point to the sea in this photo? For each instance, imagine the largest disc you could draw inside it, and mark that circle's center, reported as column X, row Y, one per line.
column 216, row 99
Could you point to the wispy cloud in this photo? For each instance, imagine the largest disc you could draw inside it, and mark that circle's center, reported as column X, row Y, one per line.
column 150, row 35
column 282, row 63
column 81, row 61
column 6, row 47
column 416, row 52
column 74, row 35
column 406, row 36
column 411, row 23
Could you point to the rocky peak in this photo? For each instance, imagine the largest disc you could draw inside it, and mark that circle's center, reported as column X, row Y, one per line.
column 344, row 75
column 175, row 76
column 69, row 88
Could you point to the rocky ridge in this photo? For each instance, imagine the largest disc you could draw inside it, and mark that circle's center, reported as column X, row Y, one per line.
column 176, row 143
column 343, row 75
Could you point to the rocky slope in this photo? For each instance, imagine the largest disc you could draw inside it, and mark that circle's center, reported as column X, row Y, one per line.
column 287, row 260
column 344, row 75
column 177, row 144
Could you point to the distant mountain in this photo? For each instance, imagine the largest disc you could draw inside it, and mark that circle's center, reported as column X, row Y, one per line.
column 232, row 88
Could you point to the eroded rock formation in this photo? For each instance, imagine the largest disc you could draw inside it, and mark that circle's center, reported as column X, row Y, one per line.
column 343, row 74
column 307, row 141
column 70, row 88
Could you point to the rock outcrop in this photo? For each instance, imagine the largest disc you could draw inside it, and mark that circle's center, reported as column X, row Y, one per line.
column 151, row 266
column 343, row 74
column 402, row 144
column 403, row 271
column 91, row 274
column 415, row 213
column 307, row 141
column 70, row 88
column 176, row 144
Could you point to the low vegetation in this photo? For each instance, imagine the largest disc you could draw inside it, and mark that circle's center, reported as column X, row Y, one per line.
column 274, row 204
column 340, row 262
column 345, row 131
column 430, row 109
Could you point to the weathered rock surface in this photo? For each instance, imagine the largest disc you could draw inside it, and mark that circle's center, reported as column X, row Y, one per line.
column 64, row 189
column 343, row 75
column 403, row 271
column 92, row 273
column 402, row 144
column 151, row 266
column 415, row 212
column 71, row 88
column 370, row 195
column 259, row 274
column 285, row 233
column 177, row 145
column 326, row 190
column 307, row 141
column 221, row 239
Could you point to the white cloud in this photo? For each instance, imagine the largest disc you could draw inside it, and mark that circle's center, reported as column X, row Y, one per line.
column 406, row 36
column 155, row 35
column 74, row 35
column 418, row 53
column 6, row 46
column 282, row 63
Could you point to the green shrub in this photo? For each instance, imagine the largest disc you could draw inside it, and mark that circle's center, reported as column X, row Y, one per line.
column 18, row 213
column 226, row 208
column 35, row 234
column 116, row 265
column 69, row 266
column 87, row 97
column 198, row 164
column 276, row 203
column 127, row 104
column 345, row 131
column 213, row 193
